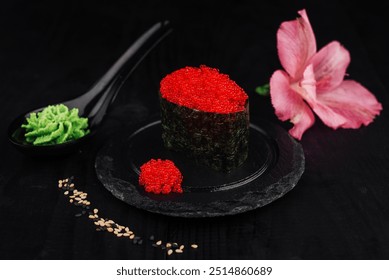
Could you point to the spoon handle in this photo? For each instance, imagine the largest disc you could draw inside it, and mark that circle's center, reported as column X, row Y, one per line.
column 94, row 103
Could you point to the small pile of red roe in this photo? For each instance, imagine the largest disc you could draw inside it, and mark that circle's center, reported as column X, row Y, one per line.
column 160, row 176
column 204, row 89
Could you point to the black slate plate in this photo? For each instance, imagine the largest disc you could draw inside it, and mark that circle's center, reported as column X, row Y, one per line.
column 274, row 166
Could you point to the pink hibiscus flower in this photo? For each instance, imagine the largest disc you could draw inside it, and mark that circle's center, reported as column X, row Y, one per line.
column 313, row 81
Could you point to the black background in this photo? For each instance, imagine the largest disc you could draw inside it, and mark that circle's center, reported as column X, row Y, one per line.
column 54, row 50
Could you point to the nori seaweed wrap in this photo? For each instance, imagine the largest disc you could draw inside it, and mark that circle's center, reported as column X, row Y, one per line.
column 212, row 131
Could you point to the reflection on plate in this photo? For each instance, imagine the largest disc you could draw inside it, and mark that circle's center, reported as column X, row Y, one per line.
column 274, row 166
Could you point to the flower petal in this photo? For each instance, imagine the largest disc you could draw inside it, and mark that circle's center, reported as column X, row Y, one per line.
column 296, row 44
column 289, row 105
column 330, row 65
column 348, row 106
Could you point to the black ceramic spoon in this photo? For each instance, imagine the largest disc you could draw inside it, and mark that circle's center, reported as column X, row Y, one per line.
column 94, row 103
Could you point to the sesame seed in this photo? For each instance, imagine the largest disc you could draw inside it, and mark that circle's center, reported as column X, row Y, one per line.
column 78, row 198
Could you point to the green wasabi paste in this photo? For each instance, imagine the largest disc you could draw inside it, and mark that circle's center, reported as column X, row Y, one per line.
column 55, row 125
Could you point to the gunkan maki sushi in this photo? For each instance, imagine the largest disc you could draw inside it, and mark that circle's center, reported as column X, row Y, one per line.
column 206, row 116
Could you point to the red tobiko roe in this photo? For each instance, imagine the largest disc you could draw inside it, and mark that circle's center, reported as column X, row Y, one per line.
column 160, row 176
column 204, row 89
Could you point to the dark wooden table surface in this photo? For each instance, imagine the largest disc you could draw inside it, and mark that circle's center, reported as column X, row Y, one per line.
column 54, row 50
